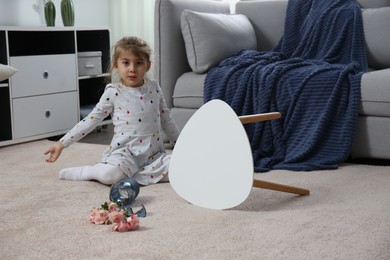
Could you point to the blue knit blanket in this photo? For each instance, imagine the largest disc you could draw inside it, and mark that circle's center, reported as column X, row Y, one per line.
column 312, row 77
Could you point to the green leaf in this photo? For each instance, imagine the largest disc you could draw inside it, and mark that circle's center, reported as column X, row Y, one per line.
column 105, row 206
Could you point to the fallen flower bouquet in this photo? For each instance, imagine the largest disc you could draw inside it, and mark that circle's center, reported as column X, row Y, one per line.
column 121, row 220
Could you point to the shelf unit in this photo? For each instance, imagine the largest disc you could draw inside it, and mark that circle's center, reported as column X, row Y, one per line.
column 46, row 96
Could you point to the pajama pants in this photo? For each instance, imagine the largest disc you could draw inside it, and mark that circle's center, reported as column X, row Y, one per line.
column 102, row 172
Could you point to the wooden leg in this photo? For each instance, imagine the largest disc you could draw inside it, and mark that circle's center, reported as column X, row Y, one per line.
column 279, row 187
column 265, row 184
column 259, row 117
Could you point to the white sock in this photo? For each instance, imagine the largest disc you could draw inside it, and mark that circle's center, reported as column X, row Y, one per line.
column 102, row 172
column 72, row 174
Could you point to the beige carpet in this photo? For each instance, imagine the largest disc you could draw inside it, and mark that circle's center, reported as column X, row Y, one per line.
column 347, row 215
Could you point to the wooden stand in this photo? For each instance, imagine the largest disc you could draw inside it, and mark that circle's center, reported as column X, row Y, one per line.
column 212, row 163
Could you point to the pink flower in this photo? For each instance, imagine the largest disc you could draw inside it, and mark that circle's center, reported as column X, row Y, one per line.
column 112, row 207
column 131, row 223
column 92, row 215
column 116, row 216
column 101, row 217
column 111, row 214
column 120, row 227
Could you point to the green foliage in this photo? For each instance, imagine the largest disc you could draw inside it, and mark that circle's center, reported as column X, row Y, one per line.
column 104, row 206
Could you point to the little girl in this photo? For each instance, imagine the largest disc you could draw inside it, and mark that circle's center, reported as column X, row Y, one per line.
column 139, row 115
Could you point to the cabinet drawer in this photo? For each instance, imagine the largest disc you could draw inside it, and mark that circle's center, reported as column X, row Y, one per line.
column 44, row 114
column 44, row 74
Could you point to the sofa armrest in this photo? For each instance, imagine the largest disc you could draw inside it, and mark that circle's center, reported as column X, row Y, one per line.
column 170, row 54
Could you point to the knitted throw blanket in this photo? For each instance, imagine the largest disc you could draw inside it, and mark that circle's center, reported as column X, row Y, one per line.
column 312, row 77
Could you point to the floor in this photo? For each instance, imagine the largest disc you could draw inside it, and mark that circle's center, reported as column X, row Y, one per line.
column 101, row 135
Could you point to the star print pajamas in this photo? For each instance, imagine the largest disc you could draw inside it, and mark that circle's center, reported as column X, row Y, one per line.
column 139, row 116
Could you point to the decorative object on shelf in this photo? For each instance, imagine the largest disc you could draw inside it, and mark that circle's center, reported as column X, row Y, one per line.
column 67, row 12
column 6, row 71
column 89, row 63
column 50, row 13
column 39, row 7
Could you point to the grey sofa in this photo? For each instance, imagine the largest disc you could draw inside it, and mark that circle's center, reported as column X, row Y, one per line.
column 183, row 88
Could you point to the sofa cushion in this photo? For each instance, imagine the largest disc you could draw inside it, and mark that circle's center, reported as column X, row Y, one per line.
column 181, row 116
column 375, row 93
column 170, row 53
column 210, row 37
column 188, row 91
column 267, row 19
column 376, row 23
column 373, row 4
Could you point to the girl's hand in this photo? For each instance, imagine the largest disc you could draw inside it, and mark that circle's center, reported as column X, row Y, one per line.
column 55, row 152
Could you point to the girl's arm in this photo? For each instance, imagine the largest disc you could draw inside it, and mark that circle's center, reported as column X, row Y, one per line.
column 102, row 109
column 54, row 151
column 167, row 122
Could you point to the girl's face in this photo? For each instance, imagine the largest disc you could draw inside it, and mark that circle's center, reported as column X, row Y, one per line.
column 132, row 69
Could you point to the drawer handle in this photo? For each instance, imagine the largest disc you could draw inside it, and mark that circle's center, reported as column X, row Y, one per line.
column 89, row 65
column 47, row 114
column 45, row 75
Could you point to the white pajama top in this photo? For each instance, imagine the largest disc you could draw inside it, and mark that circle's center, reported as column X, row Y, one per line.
column 139, row 115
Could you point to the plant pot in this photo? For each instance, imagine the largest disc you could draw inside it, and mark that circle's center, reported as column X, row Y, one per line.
column 67, row 12
column 50, row 13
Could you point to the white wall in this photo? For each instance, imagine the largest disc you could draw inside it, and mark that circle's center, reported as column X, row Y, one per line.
column 132, row 17
column 122, row 17
column 21, row 13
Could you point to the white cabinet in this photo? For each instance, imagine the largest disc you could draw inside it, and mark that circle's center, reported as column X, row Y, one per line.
column 45, row 74
column 44, row 114
column 45, row 97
